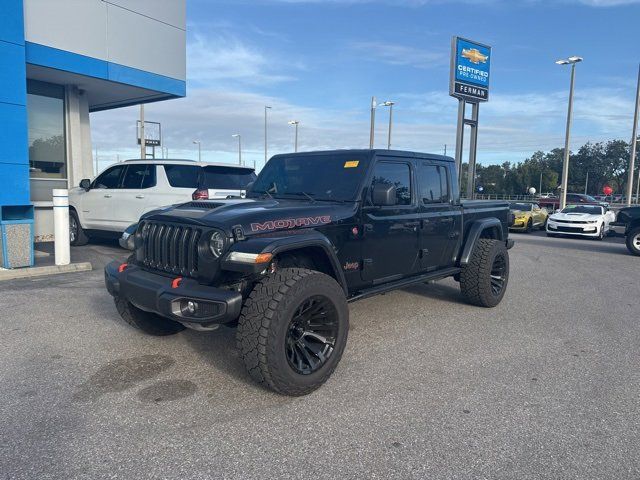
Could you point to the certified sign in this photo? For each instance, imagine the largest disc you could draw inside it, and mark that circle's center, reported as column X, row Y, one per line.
column 470, row 62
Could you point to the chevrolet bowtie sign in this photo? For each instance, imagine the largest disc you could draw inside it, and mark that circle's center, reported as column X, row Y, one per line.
column 470, row 63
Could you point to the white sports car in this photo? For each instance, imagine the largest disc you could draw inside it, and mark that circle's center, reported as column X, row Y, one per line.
column 582, row 220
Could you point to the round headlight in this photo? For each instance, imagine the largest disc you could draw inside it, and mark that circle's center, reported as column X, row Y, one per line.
column 217, row 243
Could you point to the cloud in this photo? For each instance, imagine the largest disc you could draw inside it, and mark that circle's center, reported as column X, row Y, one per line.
column 223, row 58
column 395, row 54
column 512, row 126
column 608, row 3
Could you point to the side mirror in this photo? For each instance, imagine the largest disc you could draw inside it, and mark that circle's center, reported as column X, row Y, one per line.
column 383, row 195
column 85, row 184
column 249, row 186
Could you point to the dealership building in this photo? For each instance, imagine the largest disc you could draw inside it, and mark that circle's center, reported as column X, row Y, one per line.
column 59, row 61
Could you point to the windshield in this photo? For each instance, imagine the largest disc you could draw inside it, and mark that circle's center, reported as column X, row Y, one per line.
column 317, row 177
column 590, row 209
column 524, row 207
column 228, row 178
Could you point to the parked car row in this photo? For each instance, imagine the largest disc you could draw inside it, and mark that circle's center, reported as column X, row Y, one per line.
column 121, row 194
column 582, row 220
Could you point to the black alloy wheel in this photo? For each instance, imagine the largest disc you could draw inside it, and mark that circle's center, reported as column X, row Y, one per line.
column 529, row 225
column 498, row 274
column 311, row 336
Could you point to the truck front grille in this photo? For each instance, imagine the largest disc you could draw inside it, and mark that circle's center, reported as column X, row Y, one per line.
column 171, row 248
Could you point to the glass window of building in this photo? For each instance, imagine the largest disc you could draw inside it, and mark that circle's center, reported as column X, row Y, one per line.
column 47, row 143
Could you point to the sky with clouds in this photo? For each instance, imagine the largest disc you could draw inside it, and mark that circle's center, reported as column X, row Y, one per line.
column 320, row 61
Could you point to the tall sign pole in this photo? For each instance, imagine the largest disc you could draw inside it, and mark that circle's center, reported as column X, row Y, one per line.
column 373, row 122
column 634, row 142
column 143, row 144
column 469, row 83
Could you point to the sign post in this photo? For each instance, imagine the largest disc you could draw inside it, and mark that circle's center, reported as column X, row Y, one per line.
column 152, row 134
column 469, row 83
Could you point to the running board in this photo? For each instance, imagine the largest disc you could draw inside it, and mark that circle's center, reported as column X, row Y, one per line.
column 405, row 282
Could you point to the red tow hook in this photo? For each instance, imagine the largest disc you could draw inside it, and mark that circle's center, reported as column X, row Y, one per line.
column 176, row 282
column 122, row 267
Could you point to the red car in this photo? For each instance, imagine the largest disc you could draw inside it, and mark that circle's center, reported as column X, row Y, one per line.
column 553, row 204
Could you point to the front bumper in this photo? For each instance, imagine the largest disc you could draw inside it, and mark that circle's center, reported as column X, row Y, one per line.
column 162, row 295
column 581, row 230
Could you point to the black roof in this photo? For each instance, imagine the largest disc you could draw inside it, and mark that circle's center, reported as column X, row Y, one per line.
column 373, row 152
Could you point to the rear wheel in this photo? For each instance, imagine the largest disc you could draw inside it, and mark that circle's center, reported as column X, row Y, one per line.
column 633, row 241
column 77, row 237
column 148, row 322
column 293, row 330
column 484, row 279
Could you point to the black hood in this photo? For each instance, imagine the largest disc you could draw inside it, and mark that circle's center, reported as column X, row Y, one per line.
column 256, row 216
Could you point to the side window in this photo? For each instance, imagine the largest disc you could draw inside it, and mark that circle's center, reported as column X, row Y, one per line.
column 434, row 186
column 139, row 176
column 183, row 176
column 397, row 174
column 109, row 178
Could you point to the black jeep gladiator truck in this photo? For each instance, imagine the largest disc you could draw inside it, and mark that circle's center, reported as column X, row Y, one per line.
column 316, row 231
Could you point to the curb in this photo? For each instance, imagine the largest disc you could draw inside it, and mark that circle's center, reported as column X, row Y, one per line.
column 42, row 271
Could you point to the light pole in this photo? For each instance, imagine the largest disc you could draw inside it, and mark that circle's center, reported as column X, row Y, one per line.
column 373, row 121
column 295, row 143
column 389, row 104
column 197, row 142
column 586, row 183
column 266, row 107
column 634, row 142
column 540, row 186
column 239, row 137
column 565, row 163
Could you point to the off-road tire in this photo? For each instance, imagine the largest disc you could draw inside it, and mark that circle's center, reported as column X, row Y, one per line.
column 265, row 321
column 81, row 237
column 148, row 322
column 475, row 277
column 632, row 237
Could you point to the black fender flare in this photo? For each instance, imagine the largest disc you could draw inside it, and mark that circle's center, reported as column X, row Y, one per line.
column 475, row 232
column 288, row 242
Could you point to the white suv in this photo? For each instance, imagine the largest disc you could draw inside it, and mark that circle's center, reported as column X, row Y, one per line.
column 123, row 192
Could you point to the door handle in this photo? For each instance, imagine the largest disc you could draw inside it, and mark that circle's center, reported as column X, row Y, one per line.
column 411, row 224
column 140, row 196
column 447, row 220
column 107, row 195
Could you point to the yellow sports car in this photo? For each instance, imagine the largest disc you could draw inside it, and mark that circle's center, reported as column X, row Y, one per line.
column 528, row 216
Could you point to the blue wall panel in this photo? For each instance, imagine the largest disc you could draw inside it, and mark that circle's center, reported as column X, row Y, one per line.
column 12, row 21
column 13, row 134
column 45, row 56
column 15, row 184
column 14, row 150
column 13, row 84
column 68, row 61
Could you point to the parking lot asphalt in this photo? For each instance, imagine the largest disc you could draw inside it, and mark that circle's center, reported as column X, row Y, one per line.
column 546, row 385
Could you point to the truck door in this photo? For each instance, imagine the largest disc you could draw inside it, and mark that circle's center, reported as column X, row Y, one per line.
column 440, row 220
column 390, row 247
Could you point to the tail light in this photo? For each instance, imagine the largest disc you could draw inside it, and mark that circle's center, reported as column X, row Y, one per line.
column 200, row 194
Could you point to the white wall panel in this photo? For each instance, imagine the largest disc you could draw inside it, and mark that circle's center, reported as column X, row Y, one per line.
column 172, row 12
column 77, row 26
column 140, row 42
column 152, row 40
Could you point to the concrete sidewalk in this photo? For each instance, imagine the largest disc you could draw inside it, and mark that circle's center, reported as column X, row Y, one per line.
column 95, row 255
